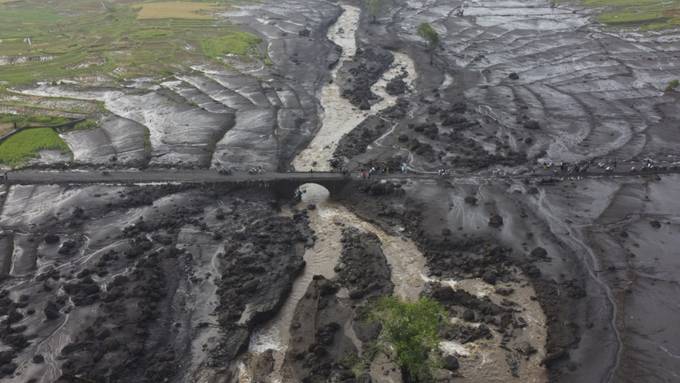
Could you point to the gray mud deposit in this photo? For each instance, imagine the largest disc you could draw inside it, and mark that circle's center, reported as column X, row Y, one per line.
column 546, row 274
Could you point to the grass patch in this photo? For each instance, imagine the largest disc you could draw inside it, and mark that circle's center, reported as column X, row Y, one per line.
column 235, row 43
column 5, row 128
column 411, row 331
column 22, row 121
column 25, row 145
column 85, row 125
column 177, row 10
column 643, row 14
column 119, row 39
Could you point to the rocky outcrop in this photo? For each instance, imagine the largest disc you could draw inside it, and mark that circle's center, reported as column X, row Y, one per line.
column 357, row 76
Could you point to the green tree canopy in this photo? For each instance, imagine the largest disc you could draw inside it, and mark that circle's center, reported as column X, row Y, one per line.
column 428, row 33
column 411, row 330
column 374, row 8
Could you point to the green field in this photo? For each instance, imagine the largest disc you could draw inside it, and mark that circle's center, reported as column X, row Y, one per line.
column 235, row 43
column 22, row 121
column 25, row 145
column 644, row 14
column 90, row 37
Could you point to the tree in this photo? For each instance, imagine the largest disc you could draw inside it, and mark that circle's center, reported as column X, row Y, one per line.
column 411, row 331
column 428, row 33
column 374, row 9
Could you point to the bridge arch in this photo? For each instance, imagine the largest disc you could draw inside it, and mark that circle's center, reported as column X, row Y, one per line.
column 287, row 188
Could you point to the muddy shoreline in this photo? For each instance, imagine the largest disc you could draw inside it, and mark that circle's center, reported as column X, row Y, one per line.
column 557, row 279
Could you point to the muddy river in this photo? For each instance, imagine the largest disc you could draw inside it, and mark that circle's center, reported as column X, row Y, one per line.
column 483, row 361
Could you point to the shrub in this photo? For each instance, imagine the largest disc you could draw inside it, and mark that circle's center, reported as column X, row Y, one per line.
column 411, row 331
column 673, row 85
column 86, row 125
column 428, row 33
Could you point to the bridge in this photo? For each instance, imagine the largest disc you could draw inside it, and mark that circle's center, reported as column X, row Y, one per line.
column 283, row 184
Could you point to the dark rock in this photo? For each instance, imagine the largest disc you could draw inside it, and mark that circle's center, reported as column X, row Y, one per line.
column 471, row 200
column 539, row 253
column 6, row 356
column 532, row 125
column 513, row 76
column 51, row 311
column 365, row 272
column 14, row 316
column 495, row 221
column 526, row 349
column 396, row 86
column 7, row 369
column 51, row 239
column 357, row 141
column 459, row 107
column 67, row 248
column 555, row 357
column 490, row 277
column 357, row 76
column 450, row 363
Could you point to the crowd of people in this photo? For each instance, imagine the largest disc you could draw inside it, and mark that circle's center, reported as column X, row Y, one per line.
column 606, row 166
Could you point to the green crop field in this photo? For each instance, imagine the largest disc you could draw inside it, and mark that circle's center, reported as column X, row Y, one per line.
column 123, row 39
column 25, row 145
column 22, row 121
column 644, row 14
column 235, row 43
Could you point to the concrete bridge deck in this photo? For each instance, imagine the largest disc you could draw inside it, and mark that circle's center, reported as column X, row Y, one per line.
column 30, row 177
column 207, row 176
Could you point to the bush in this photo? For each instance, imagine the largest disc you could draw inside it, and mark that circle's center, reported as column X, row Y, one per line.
column 411, row 331
column 86, row 125
column 673, row 85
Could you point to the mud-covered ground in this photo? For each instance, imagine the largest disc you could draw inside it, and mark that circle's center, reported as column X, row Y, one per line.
column 562, row 279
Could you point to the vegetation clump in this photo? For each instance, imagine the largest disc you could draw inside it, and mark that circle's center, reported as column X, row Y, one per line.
column 23, row 121
column 235, row 43
column 374, row 9
column 121, row 40
column 673, row 85
column 410, row 332
column 176, row 10
column 428, row 33
column 86, row 125
column 25, row 145
column 644, row 14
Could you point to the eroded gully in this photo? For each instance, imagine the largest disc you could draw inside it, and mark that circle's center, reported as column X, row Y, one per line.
column 328, row 220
